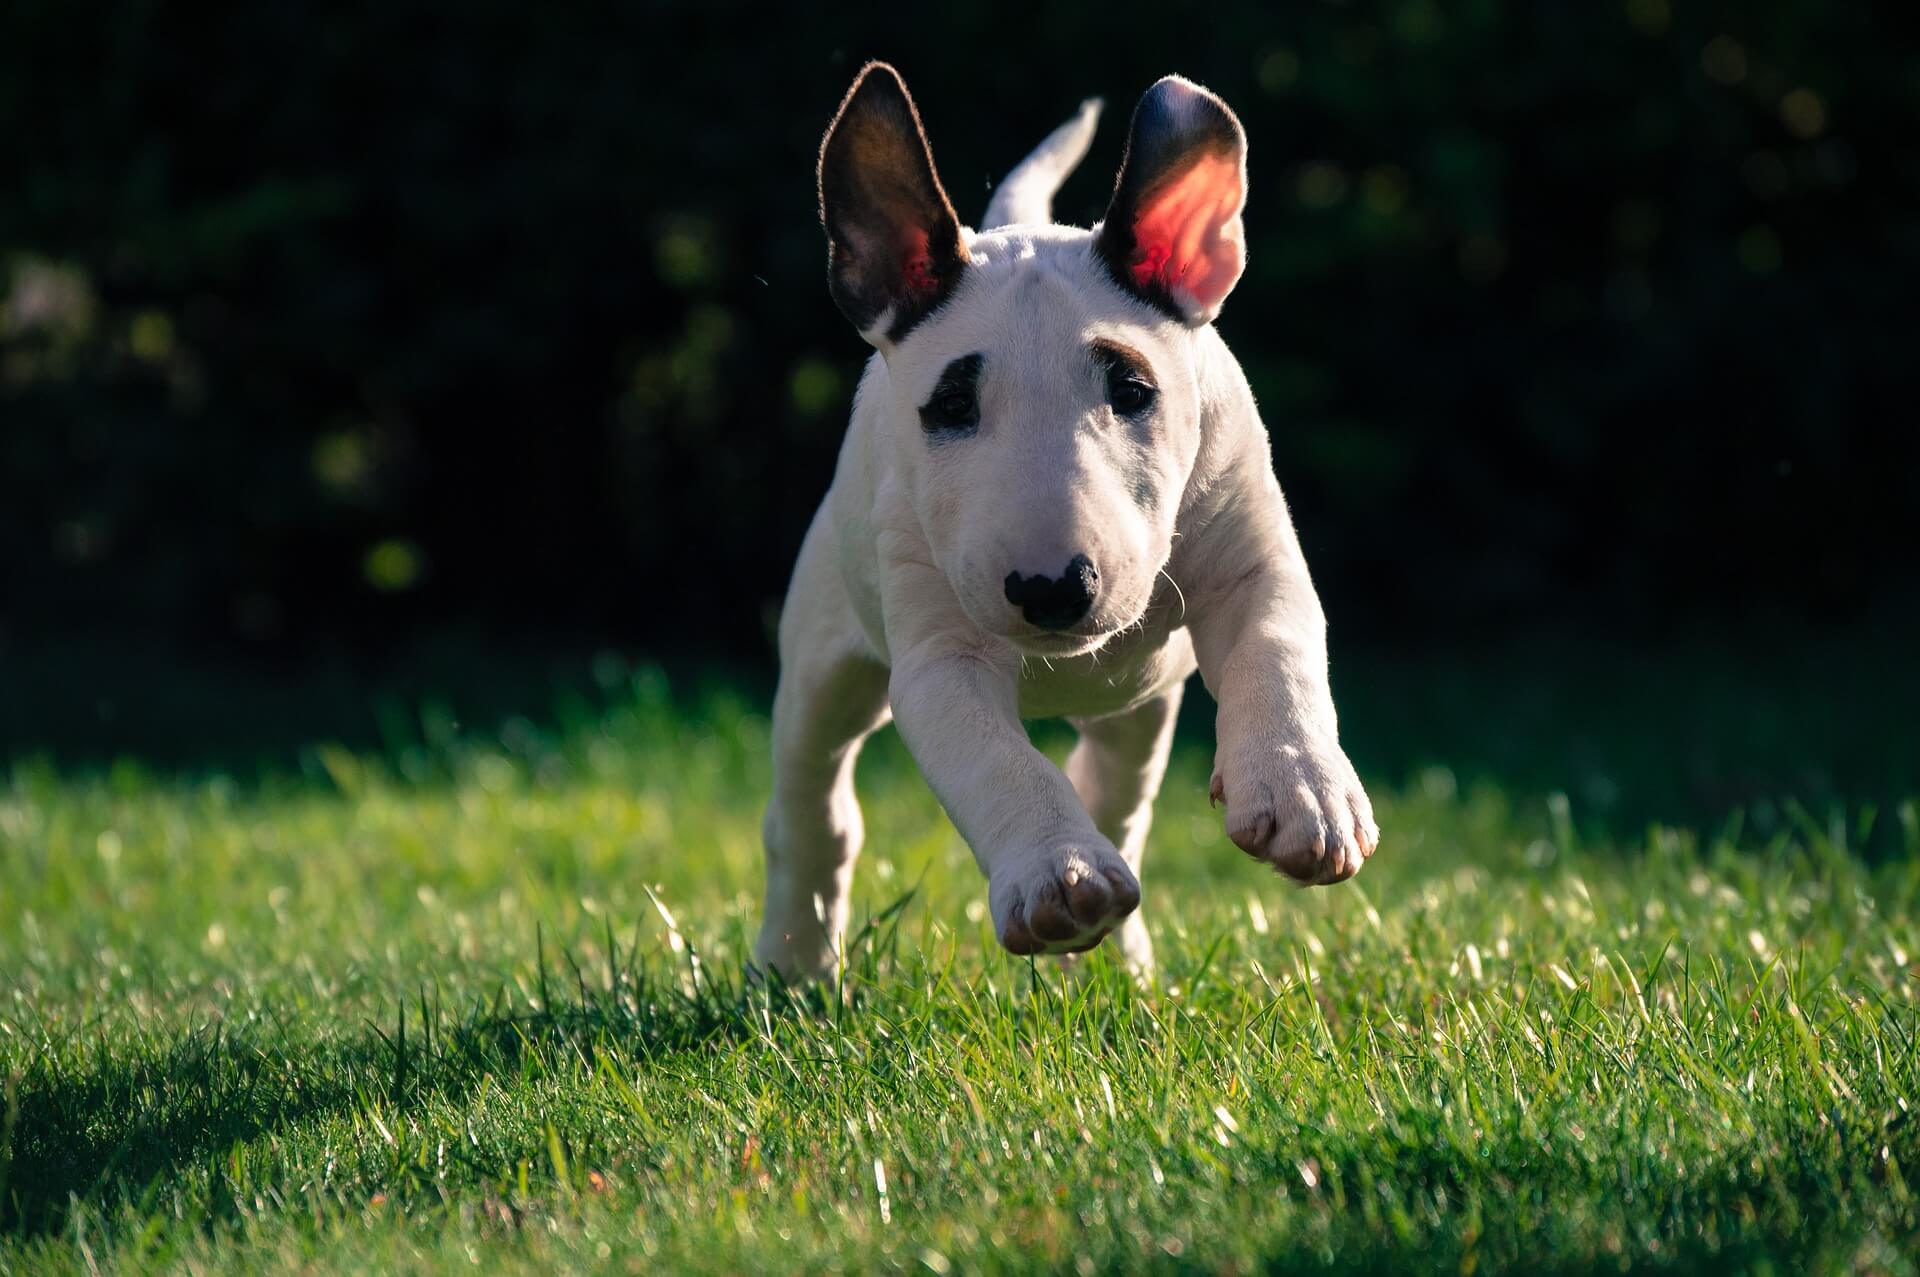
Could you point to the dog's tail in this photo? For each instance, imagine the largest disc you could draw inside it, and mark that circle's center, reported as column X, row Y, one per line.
column 1026, row 197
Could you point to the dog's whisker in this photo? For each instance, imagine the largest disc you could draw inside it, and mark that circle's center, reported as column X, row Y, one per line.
column 1178, row 592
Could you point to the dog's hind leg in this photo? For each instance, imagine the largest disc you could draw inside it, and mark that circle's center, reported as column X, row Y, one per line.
column 832, row 696
column 1116, row 768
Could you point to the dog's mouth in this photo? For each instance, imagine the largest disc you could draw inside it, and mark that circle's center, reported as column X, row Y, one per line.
column 1062, row 643
column 1059, row 644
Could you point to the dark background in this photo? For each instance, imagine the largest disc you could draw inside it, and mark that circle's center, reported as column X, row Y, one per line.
column 324, row 327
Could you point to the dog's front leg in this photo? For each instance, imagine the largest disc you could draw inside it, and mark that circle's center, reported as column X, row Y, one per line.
column 1055, row 884
column 1293, row 799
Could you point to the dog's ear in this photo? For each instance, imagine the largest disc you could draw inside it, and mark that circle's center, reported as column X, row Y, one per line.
column 894, row 249
column 1172, row 234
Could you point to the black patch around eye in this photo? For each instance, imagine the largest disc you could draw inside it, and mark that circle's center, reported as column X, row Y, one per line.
column 952, row 411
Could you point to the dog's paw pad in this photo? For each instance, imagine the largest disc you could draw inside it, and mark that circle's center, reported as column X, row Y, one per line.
column 1303, row 813
column 1062, row 900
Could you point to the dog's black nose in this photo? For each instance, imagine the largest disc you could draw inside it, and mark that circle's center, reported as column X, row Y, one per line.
column 1055, row 602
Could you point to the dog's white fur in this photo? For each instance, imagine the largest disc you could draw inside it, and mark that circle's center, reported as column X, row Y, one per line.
column 897, row 605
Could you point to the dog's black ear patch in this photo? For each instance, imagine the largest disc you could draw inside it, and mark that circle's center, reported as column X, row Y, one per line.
column 894, row 251
column 1172, row 234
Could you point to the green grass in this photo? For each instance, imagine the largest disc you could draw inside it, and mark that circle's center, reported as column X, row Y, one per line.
column 478, row 1002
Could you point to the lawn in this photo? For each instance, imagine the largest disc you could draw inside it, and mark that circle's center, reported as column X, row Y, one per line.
column 475, row 998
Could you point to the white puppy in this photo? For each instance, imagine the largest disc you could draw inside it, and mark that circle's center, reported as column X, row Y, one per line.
column 1056, row 499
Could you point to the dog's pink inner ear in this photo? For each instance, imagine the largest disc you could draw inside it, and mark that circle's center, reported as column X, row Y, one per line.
column 918, row 271
column 1187, row 235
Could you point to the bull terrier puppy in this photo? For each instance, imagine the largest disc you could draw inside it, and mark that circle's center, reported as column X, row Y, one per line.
column 1055, row 499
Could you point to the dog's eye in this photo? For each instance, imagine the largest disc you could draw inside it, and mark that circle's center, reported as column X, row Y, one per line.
column 951, row 409
column 1129, row 395
column 955, row 408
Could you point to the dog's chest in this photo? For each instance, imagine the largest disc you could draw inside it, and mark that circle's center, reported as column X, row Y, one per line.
column 1131, row 670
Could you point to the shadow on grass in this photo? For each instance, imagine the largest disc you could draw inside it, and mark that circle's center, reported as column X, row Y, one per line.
column 127, row 1121
column 1737, row 1217
column 129, row 1117
column 131, row 1121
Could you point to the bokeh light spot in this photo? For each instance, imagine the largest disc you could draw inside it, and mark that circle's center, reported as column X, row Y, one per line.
column 1724, row 60
column 1804, row 113
column 150, row 336
column 684, row 254
column 1320, row 185
column 1278, row 70
column 815, row 387
column 81, row 540
column 1384, row 189
column 46, row 296
column 1649, row 17
column 394, row 565
column 1418, row 22
column 342, row 461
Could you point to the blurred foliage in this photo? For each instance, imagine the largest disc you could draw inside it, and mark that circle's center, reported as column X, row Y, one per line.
column 327, row 321
column 1679, row 733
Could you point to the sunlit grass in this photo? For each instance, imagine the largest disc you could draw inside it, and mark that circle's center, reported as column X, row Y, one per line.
column 481, row 1003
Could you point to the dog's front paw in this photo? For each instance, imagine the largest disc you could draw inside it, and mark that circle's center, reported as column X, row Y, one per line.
column 1061, row 899
column 1299, row 807
column 796, row 959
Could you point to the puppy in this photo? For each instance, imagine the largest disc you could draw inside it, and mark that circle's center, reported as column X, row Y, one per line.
column 1055, row 499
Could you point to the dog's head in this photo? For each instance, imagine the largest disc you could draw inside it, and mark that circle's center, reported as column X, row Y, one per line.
column 1043, row 381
